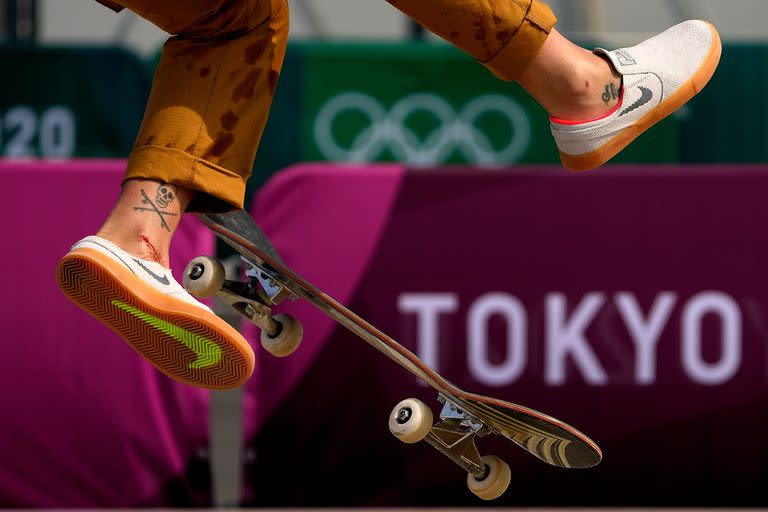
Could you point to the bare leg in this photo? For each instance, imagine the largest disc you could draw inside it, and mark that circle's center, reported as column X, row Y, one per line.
column 145, row 217
column 571, row 82
column 516, row 40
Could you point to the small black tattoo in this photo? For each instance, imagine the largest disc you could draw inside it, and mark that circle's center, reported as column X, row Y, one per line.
column 165, row 195
column 154, row 208
column 611, row 93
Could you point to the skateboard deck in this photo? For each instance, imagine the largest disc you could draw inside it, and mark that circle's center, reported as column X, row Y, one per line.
column 464, row 415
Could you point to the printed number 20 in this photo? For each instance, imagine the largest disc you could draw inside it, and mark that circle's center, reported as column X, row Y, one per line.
column 54, row 128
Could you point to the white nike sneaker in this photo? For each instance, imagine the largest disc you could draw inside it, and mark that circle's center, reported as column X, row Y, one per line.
column 659, row 76
column 142, row 302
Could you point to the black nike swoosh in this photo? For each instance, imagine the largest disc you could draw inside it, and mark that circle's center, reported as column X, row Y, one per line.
column 160, row 279
column 645, row 96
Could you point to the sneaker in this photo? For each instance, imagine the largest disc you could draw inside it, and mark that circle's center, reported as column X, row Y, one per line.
column 659, row 76
column 142, row 302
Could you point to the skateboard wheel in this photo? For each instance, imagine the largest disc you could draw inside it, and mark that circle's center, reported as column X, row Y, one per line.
column 410, row 420
column 287, row 340
column 203, row 277
column 494, row 482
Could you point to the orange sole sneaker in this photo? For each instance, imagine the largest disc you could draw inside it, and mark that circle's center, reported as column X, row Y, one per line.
column 658, row 80
column 187, row 343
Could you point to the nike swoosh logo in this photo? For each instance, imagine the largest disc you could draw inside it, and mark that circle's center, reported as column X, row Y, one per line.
column 160, row 279
column 208, row 353
column 645, row 96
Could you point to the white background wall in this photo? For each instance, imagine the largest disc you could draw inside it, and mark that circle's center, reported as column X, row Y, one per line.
column 85, row 21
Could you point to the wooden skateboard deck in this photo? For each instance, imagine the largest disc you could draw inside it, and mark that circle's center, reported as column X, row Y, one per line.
column 549, row 439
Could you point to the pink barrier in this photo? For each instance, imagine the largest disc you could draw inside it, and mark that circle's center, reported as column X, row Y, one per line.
column 86, row 422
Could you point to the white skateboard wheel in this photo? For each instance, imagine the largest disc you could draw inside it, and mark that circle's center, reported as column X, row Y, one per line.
column 410, row 420
column 494, row 482
column 287, row 340
column 203, row 277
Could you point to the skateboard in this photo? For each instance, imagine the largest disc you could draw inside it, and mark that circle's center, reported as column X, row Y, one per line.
column 464, row 416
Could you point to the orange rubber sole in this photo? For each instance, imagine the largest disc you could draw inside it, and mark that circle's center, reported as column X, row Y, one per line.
column 190, row 345
column 687, row 91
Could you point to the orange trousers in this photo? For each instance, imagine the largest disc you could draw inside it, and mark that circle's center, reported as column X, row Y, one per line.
column 214, row 85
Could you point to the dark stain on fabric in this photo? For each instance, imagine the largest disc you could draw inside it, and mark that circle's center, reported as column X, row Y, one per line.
column 254, row 51
column 205, row 71
column 229, row 120
column 247, row 86
column 220, row 145
column 503, row 36
column 481, row 33
column 454, row 35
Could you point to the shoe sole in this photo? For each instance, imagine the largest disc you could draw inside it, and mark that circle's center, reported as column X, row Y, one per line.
column 108, row 291
column 687, row 91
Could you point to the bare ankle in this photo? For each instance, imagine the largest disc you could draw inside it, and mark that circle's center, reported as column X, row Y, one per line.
column 145, row 217
column 151, row 251
column 593, row 89
column 589, row 78
column 141, row 246
column 570, row 82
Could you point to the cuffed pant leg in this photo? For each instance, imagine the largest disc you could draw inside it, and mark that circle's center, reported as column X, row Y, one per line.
column 504, row 35
column 211, row 95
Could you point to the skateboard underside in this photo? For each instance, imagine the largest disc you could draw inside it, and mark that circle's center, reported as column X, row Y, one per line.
column 464, row 416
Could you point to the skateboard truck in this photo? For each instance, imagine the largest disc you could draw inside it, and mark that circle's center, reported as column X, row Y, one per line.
column 274, row 291
column 254, row 298
column 249, row 301
column 453, row 436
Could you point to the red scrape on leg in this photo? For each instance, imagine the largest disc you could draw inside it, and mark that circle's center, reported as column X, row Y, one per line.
column 155, row 255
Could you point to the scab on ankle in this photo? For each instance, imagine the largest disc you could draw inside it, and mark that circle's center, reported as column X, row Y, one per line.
column 154, row 254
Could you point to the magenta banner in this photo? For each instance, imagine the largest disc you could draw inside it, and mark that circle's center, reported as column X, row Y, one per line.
column 343, row 211
column 85, row 421
column 631, row 302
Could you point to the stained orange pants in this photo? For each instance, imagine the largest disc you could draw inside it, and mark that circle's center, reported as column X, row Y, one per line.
column 214, row 85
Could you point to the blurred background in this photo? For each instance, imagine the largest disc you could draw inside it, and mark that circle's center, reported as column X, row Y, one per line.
column 627, row 302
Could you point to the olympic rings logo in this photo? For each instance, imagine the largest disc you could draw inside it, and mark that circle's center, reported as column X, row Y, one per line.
column 457, row 131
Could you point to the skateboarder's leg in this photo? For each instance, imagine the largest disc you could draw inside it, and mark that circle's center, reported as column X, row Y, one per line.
column 208, row 107
column 515, row 39
column 209, row 104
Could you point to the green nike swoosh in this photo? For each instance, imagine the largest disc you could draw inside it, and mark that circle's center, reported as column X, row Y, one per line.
column 208, row 352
